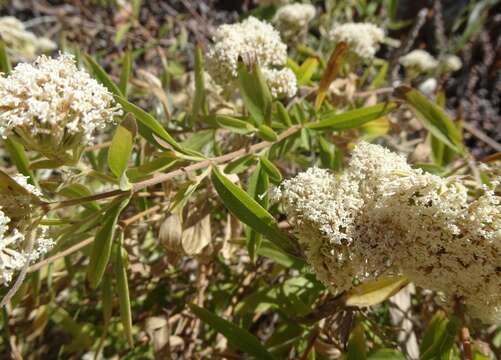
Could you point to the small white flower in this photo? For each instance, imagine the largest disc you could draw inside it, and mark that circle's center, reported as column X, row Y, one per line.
column 251, row 40
column 10, row 259
column 51, row 105
column 362, row 38
column 419, row 60
column 21, row 43
column 292, row 21
column 282, row 83
column 13, row 256
column 428, row 86
column 452, row 63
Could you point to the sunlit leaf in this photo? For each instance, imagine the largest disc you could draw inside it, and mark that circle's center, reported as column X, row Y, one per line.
column 375, row 292
column 236, row 336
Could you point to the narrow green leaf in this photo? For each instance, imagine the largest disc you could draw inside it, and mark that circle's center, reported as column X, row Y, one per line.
column 235, row 125
column 255, row 93
column 258, row 190
column 248, row 210
column 101, row 248
column 356, row 349
column 432, row 117
column 125, row 73
column 120, row 265
column 352, row 119
column 5, row 66
column 439, row 336
column 271, row 169
column 148, row 122
column 306, row 71
column 199, row 100
column 274, row 253
column 236, row 336
column 376, row 291
column 101, row 75
column 266, row 133
column 19, row 158
column 283, row 114
column 121, row 146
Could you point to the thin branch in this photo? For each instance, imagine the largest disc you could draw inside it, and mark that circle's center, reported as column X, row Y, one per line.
column 162, row 177
column 479, row 134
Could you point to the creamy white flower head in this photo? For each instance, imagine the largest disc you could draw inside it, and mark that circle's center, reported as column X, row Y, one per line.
column 51, row 105
column 251, row 40
column 382, row 217
column 292, row 21
column 362, row 38
column 452, row 63
column 428, row 86
column 419, row 60
column 21, row 43
column 282, row 83
column 10, row 259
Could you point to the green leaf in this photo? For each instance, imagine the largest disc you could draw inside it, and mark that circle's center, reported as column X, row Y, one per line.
column 356, row 349
column 5, row 66
column 258, row 190
column 236, row 336
column 233, row 124
column 266, row 133
column 306, row 71
column 274, row 253
column 101, row 248
column 351, row 119
column 19, row 158
column 121, row 146
column 248, row 210
column 375, row 292
column 125, row 73
column 101, row 75
column 386, row 354
column 271, row 169
column 283, row 114
column 439, row 336
column 432, row 117
column 120, row 265
column 199, row 100
column 255, row 93
column 149, row 122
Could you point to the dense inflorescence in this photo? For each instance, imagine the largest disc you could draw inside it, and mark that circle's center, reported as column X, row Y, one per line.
column 292, row 21
column 51, row 104
column 18, row 227
column 362, row 38
column 419, row 61
column 452, row 63
column 252, row 41
column 382, row 217
column 21, row 43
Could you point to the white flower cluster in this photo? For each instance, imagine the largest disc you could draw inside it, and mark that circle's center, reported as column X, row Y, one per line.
column 452, row 63
column 419, row 60
column 362, row 38
column 21, row 43
column 282, row 83
column 382, row 217
column 251, row 40
column 51, row 103
column 14, row 234
column 292, row 21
